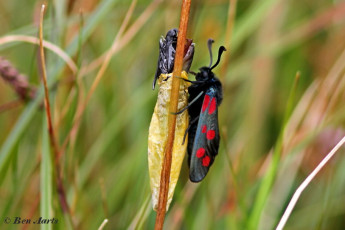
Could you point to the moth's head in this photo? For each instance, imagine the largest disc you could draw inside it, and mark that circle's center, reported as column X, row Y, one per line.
column 204, row 74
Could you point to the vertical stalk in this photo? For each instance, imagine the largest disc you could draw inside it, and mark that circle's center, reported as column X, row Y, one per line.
column 165, row 174
column 52, row 137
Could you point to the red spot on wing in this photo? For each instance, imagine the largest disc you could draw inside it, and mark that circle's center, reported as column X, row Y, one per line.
column 200, row 152
column 206, row 101
column 212, row 106
column 206, row 161
column 210, row 134
column 204, row 129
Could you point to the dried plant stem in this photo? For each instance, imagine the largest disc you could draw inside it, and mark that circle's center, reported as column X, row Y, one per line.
column 110, row 53
column 308, row 29
column 105, row 221
column 124, row 39
column 165, row 174
column 81, row 108
column 52, row 138
column 305, row 183
column 46, row 92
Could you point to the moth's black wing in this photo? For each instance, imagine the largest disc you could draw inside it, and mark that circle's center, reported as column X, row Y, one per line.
column 206, row 141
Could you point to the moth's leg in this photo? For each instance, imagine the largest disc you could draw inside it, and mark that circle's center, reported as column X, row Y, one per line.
column 194, row 100
column 193, row 82
column 190, row 125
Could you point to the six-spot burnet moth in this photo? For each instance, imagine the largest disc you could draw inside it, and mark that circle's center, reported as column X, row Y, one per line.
column 158, row 130
column 205, row 95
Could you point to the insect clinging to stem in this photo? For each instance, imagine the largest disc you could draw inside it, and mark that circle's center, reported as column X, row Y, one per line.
column 205, row 95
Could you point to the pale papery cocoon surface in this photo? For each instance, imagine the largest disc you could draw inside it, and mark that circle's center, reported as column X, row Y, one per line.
column 158, row 134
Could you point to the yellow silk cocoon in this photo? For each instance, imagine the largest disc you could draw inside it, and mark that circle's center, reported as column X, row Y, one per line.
column 158, row 134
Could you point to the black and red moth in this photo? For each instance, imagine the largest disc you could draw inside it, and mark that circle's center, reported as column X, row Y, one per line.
column 205, row 95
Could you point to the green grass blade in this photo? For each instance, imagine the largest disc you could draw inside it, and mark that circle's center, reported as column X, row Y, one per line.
column 17, row 131
column 268, row 180
column 46, row 187
column 103, row 9
column 250, row 21
column 29, row 112
column 134, row 105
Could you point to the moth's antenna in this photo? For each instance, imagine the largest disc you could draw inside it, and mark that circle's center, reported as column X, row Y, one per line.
column 209, row 44
column 220, row 52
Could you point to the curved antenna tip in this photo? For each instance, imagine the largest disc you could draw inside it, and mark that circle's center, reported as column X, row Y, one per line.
column 220, row 52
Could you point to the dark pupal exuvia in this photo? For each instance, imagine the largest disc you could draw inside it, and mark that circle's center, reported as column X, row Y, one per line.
column 166, row 57
column 205, row 95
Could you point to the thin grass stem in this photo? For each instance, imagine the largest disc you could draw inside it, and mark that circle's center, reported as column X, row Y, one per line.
column 48, row 45
column 165, row 173
column 305, row 183
column 52, row 137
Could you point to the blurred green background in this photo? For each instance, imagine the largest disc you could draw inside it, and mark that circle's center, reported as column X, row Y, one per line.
column 273, row 134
